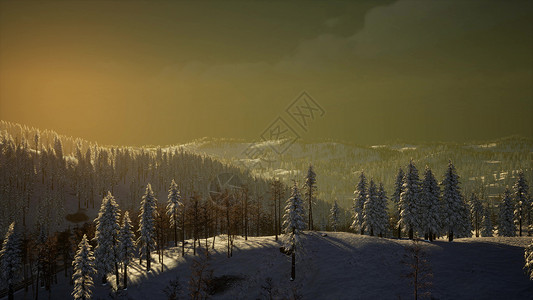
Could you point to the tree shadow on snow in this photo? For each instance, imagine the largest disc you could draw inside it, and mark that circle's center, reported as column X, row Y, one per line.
column 479, row 270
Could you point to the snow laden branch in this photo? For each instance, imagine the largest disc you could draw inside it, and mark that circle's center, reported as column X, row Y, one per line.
column 293, row 226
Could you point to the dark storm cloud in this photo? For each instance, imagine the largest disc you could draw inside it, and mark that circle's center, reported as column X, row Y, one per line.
column 383, row 70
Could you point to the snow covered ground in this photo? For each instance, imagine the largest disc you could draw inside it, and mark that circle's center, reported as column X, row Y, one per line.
column 337, row 266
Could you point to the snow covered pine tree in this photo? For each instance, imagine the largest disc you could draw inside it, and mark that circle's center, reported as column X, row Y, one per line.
column 359, row 204
column 522, row 202
column 146, row 240
column 383, row 216
column 106, row 237
column 528, row 257
column 465, row 228
column 431, row 205
column 293, row 225
column 487, row 228
column 174, row 207
column 409, row 200
column 476, row 213
column 398, row 189
column 375, row 210
column 10, row 259
column 126, row 249
column 506, row 226
column 334, row 216
column 453, row 201
column 83, row 270
column 310, row 188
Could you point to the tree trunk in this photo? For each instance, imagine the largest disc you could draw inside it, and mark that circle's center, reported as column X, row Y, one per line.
column 37, row 284
column 310, row 225
column 477, row 224
column 399, row 231
column 246, row 217
column 293, row 265
column 279, row 211
column 24, row 215
column 31, row 276
column 183, row 236
column 275, row 217
column 228, row 229
column 25, row 278
column 162, row 261
column 175, row 232
column 10, row 292
column 65, row 263
column 450, row 236
column 148, row 260
column 117, row 280
column 125, row 276
column 411, row 233
column 215, row 231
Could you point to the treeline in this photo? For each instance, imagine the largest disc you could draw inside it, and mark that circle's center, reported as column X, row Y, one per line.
column 485, row 167
column 423, row 207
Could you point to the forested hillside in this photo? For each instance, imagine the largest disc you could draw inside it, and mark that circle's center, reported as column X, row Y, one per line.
column 485, row 168
column 60, row 181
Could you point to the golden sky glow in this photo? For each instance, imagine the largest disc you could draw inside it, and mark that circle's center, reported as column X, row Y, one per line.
column 161, row 72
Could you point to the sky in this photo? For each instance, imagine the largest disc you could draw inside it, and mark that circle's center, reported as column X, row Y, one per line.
column 166, row 72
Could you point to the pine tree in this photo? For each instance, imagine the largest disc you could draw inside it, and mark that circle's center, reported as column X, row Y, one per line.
column 506, row 226
column 334, row 216
column 522, row 202
column 310, row 185
column 465, row 226
column 487, row 228
column 431, row 205
column 370, row 209
column 126, row 247
column 174, row 207
column 382, row 216
column 398, row 189
column 293, row 225
column 409, row 200
column 146, row 240
column 10, row 259
column 453, row 202
column 106, row 237
column 375, row 210
column 528, row 257
column 83, row 270
column 359, row 204
column 476, row 212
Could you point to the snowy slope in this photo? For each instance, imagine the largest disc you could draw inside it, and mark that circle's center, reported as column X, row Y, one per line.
column 343, row 266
